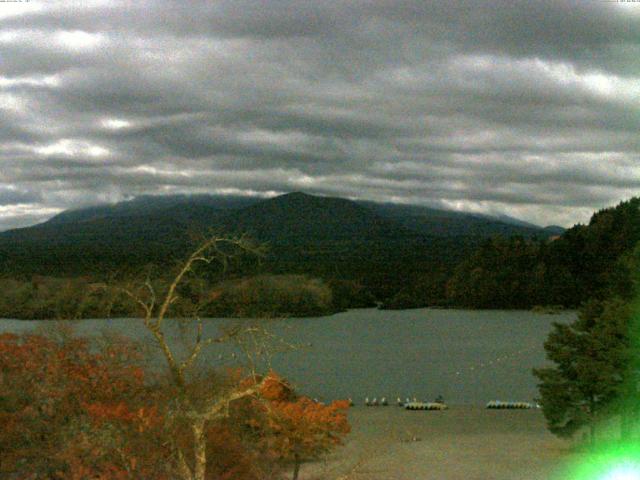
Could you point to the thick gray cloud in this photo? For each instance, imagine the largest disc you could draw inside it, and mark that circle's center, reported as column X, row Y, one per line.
column 525, row 108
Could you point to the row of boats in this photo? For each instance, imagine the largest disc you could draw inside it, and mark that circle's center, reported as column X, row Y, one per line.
column 497, row 404
column 414, row 404
column 439, row 404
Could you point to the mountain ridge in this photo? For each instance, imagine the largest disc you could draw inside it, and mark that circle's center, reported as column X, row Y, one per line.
column 307, row 234
column 218, row 205
column 404, row 256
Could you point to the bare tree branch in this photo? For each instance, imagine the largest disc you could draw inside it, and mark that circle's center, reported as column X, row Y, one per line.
column 196, row 348
column 221, row 406
column 155, row 311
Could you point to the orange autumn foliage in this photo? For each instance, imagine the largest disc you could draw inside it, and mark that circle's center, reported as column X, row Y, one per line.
column 144, row 418
column 305, row 428
column 276, row 389
column 55, row 398
column 294, row 428
column 75, row 410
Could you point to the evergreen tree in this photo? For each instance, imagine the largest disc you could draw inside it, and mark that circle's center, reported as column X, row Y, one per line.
column 591, row 357
column 597, row 359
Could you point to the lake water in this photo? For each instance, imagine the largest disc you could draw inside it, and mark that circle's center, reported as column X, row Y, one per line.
column 469, row 357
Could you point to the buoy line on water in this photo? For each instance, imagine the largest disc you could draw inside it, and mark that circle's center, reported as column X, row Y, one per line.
column 494, row 361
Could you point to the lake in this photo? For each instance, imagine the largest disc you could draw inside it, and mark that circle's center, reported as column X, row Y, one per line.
column 467, row 356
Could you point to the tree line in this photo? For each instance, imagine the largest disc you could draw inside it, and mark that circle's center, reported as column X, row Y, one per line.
column 596, row 363
column 51, row 298
column 587, row 262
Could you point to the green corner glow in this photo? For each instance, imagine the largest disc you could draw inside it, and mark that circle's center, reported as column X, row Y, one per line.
column 624, row 472
column 620, row 462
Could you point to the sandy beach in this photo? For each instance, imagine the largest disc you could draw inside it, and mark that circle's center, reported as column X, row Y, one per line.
column 462, row 443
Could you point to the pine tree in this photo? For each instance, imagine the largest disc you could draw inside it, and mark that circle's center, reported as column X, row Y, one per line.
column 593, row 359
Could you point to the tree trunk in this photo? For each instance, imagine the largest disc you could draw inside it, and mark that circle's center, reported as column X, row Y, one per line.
column 183, row 470
column 199, row 450
column 296, row 466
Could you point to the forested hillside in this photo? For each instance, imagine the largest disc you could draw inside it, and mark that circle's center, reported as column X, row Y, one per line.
column 364, row 251
column 400, row 256
column 585, row 262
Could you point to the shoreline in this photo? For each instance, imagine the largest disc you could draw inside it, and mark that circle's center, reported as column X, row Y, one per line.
column 327, row 315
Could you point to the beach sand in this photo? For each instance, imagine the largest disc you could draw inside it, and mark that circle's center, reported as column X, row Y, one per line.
column 462, row 443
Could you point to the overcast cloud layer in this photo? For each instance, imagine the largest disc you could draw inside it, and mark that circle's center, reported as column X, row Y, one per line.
column 526, row 108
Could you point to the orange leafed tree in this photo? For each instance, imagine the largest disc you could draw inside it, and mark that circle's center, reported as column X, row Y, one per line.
column 295, row 429
column 69, row 411
column 303, row 429
column 72, row 412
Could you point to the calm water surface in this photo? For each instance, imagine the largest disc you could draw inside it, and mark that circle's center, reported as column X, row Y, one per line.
column 467, row 356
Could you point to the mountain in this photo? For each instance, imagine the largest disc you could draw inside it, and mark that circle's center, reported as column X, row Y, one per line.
column 325, row 236
column 291, row 218
column 302, row 219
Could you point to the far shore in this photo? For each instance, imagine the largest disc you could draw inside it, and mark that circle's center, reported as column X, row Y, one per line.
column 537, row 310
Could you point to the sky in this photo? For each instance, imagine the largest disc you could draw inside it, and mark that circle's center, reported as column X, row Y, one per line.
column 524, row 108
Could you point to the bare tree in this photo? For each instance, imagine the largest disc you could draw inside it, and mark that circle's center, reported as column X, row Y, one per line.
column 198, row 412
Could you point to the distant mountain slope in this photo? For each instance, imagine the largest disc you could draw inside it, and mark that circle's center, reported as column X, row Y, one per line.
column 306, row 234
column 430, row 221
column 185, row 207
column 554, row 230
column 301, row 218
column 290, row 218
